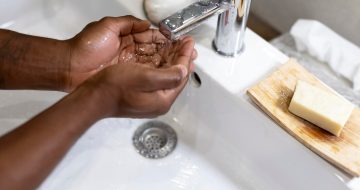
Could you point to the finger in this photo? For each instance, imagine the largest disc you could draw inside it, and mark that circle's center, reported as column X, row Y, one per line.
column 179, row 53
column 150, row 36
column 153, row 106
column 185, row 52
column 187, row 38
column 192, row 67
column 194, row 55
column 163, row 78
column 184, row 58
column 163, row 99
column 169, row 96
column 125, row 25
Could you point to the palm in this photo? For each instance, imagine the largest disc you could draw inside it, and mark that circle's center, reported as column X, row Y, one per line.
column 149, row 47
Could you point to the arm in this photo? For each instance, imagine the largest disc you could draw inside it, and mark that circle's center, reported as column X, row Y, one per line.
column 30, row 152
column 29, row 62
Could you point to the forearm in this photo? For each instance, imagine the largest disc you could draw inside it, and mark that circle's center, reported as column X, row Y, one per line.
column 29, row 153
column 29, row 62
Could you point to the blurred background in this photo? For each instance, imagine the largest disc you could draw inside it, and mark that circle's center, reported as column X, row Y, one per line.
column 270, row 18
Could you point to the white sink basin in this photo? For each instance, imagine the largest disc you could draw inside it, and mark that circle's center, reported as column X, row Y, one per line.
column 224, row 141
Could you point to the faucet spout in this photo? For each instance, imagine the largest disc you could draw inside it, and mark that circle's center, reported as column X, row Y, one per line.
column 230, row 28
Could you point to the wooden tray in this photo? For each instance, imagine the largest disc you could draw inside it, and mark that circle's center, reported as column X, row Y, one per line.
column 273, row 96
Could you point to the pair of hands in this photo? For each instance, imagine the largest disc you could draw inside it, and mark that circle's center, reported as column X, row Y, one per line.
column 135, row 69
column 116, row 67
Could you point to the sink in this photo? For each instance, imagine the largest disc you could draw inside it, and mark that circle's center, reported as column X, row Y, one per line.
column 223, row 140
column 221, row 145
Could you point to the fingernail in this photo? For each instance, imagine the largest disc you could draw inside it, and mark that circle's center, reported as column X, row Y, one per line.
column 183, row 70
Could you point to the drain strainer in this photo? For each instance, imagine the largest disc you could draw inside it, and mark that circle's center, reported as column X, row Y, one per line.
column 154, row 139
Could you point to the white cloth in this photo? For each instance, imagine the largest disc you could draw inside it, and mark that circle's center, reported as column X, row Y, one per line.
column 328, row 46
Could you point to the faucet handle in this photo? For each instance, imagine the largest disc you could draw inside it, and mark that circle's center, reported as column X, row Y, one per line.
column 190, row 17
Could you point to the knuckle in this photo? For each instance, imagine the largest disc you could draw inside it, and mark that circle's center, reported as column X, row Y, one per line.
column 164, row 107
column 163, row 110
column 151, row 116
column 107, row 20
column 90, row 24
column 128, row 17
column 177, row 78
column 88, row 27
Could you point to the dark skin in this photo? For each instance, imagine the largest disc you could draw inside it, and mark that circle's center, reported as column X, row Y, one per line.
column 116, row 67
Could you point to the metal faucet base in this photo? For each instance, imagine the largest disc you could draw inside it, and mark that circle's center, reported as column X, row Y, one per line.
column 239, row 52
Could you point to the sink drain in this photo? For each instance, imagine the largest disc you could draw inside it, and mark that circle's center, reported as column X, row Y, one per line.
column 154, row 139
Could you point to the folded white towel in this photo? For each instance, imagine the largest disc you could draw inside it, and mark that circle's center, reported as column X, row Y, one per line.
column 328, row 46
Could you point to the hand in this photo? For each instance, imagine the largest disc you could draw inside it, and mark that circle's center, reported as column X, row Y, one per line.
column 136, row 73
column 114, row 40
column 140, row 90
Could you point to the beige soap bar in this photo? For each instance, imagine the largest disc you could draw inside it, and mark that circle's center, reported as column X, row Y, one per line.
column 320, row 107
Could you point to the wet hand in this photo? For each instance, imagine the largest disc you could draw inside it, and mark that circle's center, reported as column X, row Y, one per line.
column 118, row 40
column 141, row 90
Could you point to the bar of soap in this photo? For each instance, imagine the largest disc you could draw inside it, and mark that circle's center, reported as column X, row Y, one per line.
column 320, row 107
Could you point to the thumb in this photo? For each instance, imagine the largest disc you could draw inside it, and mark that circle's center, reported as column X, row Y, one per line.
column 164, row 78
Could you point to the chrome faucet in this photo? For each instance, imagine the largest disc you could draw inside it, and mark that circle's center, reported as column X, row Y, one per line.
column 231, row 26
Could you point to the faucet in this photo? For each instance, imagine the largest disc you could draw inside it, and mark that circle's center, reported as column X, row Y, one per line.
column 231, row 25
